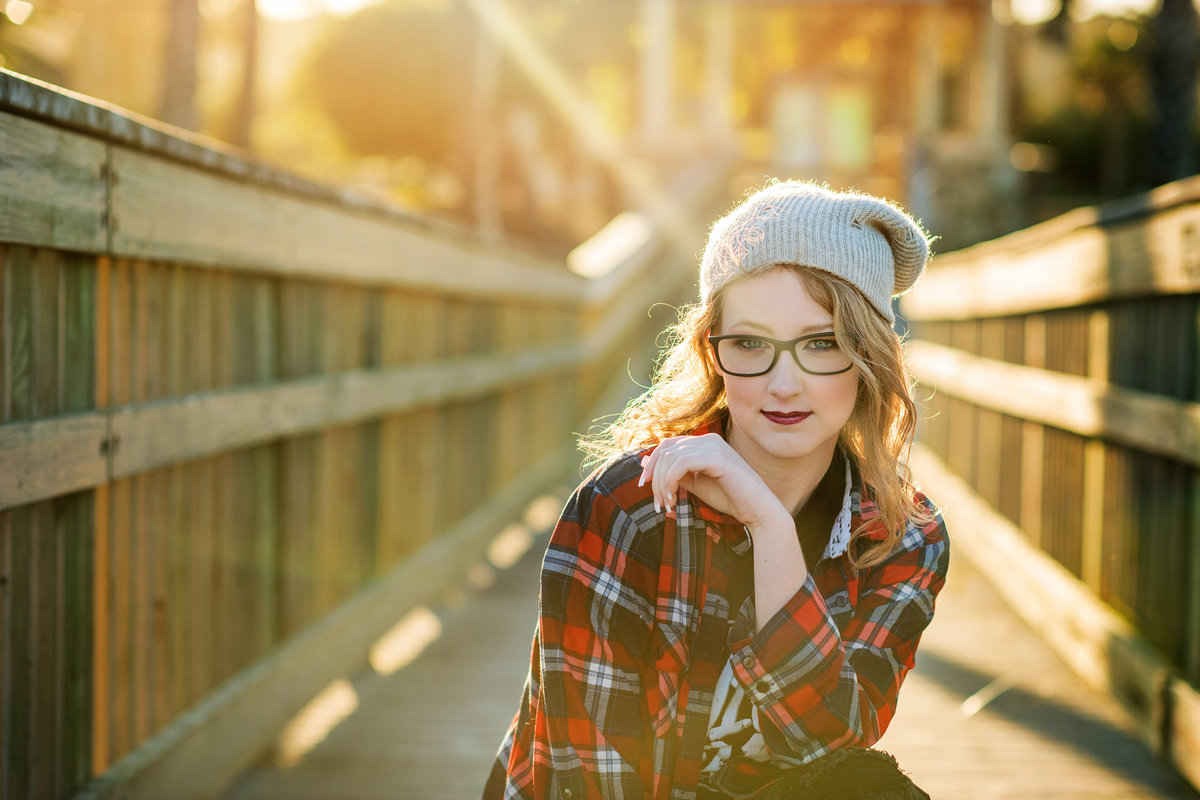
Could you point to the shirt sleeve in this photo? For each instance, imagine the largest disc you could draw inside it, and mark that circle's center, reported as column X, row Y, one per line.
column 818, row 688
column 591, row 720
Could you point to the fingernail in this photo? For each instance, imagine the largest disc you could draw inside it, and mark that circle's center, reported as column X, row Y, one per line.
column 657, row 507
column 642, row 480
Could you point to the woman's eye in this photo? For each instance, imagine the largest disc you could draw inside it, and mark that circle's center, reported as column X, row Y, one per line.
column 822, row 344
column 749, row 345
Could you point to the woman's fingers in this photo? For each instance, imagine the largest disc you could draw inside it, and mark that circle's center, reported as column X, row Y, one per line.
column 669, row 466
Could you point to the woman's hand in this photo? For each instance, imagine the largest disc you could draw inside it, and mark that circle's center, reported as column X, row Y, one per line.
column 709, row 468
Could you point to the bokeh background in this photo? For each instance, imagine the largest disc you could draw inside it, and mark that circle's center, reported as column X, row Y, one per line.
column 981, row 133
column 303, row 304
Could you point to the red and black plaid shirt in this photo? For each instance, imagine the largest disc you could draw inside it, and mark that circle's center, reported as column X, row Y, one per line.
column 634, row 630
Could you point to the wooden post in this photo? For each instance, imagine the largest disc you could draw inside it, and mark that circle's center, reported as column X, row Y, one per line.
column 485, row 143
column 657, row 81
column 1191, row 649
column 718, row 69
column 1094, row 457
column 989, row 114
column 1032, row 435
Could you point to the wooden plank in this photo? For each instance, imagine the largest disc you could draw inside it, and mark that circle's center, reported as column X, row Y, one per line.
column 121, row 335
column 19, row 771
column 1145, row 421
column 52, row 186
column 101, row 628
column 179, row 616
column 1090, row 263
column 141, row 611
column 168, row 211
column 159, row 675
column 1092, row 556
column 46, row 340
column 266, row 522
column 123, row 678
column 201, row 577
column 20, row 356
column 77, row 654
column 157, row 434
column 51, row 457
column 137, row 571
column 296, row 523
column 6, row 664
column 79, row 346
column 205, row 749
column 177, row 354
column 103, row 332
column 226, row 642
column 5, row 337
column 46, row 650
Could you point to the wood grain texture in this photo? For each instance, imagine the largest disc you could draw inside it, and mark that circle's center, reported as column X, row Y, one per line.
column 52, row 186
column 202, row 751
column 156, row 434
column 168, row 211
column 1103, row 649
column 51, row 457
column 1087, row 407
column 1155, row 254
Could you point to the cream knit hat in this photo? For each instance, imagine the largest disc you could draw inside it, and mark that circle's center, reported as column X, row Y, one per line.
column 866, row 241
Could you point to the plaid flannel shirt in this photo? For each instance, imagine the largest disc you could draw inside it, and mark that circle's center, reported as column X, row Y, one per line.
column 634, row 630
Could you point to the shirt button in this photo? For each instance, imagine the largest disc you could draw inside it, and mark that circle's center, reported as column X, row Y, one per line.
column 763, row 687
column 748, row 662
column 568, row 793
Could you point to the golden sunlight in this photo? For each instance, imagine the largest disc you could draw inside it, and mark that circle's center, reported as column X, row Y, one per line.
column 305, row 9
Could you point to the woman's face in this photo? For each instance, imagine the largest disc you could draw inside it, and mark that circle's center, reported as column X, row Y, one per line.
column 787, row 417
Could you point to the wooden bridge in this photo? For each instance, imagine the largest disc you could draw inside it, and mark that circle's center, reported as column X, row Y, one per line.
column 275, row 461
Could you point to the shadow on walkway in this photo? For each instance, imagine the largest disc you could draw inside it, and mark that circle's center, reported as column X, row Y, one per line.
column 988, row 712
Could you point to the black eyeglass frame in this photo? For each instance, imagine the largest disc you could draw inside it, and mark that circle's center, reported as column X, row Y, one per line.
column 779, row 345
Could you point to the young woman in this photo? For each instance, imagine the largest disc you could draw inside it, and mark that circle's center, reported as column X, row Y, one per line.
column 729, row 605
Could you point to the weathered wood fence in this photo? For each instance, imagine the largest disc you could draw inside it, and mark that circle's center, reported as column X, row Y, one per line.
column 1062, row 367
column 248, row 421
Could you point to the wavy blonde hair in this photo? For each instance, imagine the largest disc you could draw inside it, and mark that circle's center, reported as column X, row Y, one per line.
column 688, row 393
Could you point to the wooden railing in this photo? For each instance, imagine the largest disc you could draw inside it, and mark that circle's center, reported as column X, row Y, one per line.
column 1061, row 366
column 247, row 422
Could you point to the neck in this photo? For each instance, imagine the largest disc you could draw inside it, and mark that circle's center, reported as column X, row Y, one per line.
column 792, row 480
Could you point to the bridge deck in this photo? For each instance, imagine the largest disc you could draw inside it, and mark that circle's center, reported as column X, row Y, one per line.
column 989, row 712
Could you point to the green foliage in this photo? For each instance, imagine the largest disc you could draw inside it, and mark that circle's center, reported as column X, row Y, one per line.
column 1100, row 129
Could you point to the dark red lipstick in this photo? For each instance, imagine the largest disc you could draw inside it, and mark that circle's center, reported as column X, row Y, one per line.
column 787, row 417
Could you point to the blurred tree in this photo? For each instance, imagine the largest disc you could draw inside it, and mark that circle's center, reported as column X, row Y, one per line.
column 420, row 79
column 395, row 78
column 1173, row 62
column 1058, row 28
column 243, row 107
column 1110, row 88
column 178, row 103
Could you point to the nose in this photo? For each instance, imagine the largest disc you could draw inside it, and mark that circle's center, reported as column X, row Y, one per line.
column 786, row 377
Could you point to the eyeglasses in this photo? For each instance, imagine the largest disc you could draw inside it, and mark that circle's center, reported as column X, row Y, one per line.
column 747, row 356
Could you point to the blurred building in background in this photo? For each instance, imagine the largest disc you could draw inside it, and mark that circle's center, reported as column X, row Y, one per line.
column 978, row 122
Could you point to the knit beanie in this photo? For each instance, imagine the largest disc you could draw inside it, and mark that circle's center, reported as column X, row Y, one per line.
column 864, row 240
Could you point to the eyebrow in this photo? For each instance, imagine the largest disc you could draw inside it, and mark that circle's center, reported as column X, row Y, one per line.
column 818, row 328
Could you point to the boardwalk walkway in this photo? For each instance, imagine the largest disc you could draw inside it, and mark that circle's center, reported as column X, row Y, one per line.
column 988, row 713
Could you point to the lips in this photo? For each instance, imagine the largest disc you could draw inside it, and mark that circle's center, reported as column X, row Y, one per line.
column 787, row 417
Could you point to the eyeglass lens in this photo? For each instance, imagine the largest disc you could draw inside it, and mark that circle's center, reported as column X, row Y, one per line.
column 753, row 355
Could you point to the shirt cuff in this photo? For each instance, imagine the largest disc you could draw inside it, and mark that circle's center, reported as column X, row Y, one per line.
column 796, row 641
